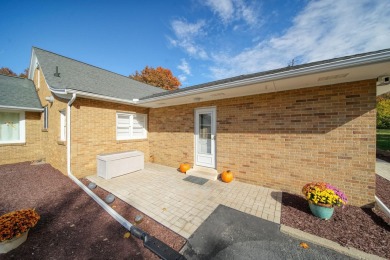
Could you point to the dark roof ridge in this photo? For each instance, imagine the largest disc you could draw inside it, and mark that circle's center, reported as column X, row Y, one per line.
column 87, row 64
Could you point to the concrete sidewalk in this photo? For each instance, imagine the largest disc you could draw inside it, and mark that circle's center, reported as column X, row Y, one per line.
column 382, row 168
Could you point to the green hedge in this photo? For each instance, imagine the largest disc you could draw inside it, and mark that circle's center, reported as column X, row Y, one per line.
column 383, row 113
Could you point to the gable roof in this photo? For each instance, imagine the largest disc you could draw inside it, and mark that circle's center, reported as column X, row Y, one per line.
column 364, row 66
column 89, row 81
column 270, row 73
column 79, row 76
column 18, row 93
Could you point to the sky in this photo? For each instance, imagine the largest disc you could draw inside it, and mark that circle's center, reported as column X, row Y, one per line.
column 198, row 40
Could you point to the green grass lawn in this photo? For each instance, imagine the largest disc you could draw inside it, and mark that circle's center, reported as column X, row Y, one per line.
column 383, row 139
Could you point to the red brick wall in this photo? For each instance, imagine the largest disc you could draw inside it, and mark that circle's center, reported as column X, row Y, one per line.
column 283, row 140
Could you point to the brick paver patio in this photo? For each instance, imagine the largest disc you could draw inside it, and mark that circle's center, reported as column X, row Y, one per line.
column 161, row 193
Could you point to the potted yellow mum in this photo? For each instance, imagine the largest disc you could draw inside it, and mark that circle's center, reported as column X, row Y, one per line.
column 14, row 227
column 322, row 198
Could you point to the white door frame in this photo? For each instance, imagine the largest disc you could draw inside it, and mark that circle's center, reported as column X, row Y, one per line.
column 205, row 160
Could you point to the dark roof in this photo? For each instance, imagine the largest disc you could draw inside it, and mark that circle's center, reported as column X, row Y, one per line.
column 18, row 92
column 264, row 73
column 80, row 76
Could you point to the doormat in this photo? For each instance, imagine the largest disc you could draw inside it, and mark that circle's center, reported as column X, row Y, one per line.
column 196, row 180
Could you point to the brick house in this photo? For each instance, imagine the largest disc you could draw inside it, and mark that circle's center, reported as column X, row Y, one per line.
column 20, row 120
column 280, row 128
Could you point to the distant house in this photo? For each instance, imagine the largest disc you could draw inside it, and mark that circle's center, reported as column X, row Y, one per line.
column 280, row 128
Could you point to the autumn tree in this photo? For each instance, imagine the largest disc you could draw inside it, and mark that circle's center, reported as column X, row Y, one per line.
column 7, row 71
column 24, row 74
column 158, row 77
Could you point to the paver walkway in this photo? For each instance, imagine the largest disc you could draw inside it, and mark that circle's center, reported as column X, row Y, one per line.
column 161, row 193
column 382, row 168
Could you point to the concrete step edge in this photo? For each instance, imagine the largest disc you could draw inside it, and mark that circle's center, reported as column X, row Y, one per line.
column 201, row 174
column 349, row 251
column 204, row 169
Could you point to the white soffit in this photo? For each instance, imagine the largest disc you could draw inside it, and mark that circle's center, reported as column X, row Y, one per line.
column 370, row 71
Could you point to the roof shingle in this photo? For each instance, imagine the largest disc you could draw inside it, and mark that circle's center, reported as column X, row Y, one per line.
column 80, row 76
column 263, row 73
column 18, row 93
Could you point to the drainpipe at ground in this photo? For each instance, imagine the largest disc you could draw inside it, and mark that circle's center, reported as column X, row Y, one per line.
column 107, row 208
column 150, row 242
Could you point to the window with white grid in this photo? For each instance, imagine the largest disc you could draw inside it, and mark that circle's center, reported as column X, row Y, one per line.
column 130, row 126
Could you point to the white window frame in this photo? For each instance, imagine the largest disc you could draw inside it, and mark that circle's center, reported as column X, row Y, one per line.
column 22, row 127
column 63, row 125
column 131, row 125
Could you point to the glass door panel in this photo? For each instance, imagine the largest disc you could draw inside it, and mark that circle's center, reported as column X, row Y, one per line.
column 204, row 140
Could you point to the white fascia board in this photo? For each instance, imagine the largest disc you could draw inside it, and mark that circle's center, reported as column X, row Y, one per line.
column 30, row 69
column 31, row 109
column 352, row 62
column 61, row 93
column 33, row 65
column 100, row 97
column 66, row 93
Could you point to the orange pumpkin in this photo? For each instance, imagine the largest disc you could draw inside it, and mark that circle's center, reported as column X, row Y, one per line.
column 184, row 167
column 227, row 176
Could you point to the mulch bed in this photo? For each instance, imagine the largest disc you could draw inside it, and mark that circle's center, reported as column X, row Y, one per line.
column 362, row 228
column 383, row 190
column 72, row 225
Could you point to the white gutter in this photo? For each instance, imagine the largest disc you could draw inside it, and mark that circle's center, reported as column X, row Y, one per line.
column 382, row 206
column 90, row 95
column 22, row 108
column 55, row 91
column 351, row 62
column 101, row 97
column 126, row 224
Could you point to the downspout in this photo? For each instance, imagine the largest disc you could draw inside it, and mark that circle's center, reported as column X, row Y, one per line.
column 382, row 206
column 153, row 244
column 126, row 224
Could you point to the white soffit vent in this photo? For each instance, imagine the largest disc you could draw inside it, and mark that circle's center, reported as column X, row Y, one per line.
column 383, row 80
column 217, row 95
column 331, row 77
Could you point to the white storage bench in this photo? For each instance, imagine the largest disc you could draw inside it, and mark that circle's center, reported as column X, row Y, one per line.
column 111, row 165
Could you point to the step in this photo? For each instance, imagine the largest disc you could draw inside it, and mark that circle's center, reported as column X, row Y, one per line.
column 203, row 172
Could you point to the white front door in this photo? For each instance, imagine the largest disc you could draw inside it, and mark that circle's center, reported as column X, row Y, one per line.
column 205, row 129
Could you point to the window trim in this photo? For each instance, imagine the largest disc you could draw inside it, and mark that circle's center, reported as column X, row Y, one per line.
column 22, row 127
column 63, row 125
column 45, row 118
column 131, row 126
column 39, row 78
